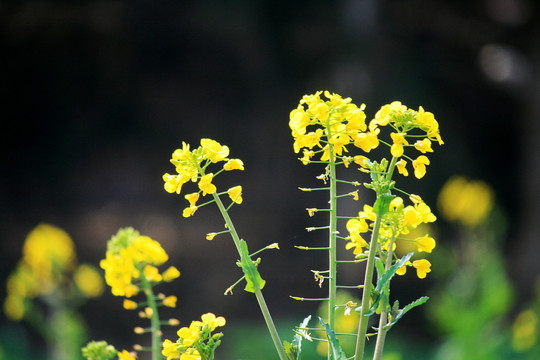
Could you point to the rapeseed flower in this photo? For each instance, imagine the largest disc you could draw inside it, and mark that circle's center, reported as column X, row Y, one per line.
column 192, row 165
column 128, row 256
column 465, row 201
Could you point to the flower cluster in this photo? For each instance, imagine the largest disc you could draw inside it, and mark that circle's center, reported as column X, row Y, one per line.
column 399, row 220
column 195, row 342
column 336, row 121
column 131, row 257
column 344, row 123
column 49, row 267
column 103, row 351
column 191, row 165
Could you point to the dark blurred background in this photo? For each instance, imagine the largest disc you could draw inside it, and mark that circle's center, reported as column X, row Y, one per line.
column 97, row 94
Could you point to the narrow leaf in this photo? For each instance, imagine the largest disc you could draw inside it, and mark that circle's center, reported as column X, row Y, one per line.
column 336, row 350
column 253, row 278
column 403, row 311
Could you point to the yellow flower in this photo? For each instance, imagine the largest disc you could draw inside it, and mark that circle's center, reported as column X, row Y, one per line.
column 340, row 141
column 402, row 270
column 422, row 267
column 170, row 349
column 192, row 355
column 212, row 321
column 464, row 201
column 189, row 211
column 214, row 150
column 401, row 166
column 151, row 273
column 205, row 184
column 88, row 280
column 397, row 147
column 49, row 252
column 366, row 141
column 149, row 250
column 233, row 164
column 308, row 140
column 423, row 146
column 192, row 198
column 190, row 334
column 173, row 183
column 211, row 236
column 170, row 274
column 419, row 166
column 299, row 120
column 425, row 243
column 357, row 225
column 183, row 154
column 235, row 193
column 170, row 301
column 125, row 355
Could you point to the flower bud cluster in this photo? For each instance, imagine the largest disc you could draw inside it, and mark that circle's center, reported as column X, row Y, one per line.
column 131, row 256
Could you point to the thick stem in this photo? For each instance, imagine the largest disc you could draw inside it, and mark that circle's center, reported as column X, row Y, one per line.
column 383, row 320
column 154, row 319
column 366, row 294
column 258, row 293
column 332, row 252
column 368, row 280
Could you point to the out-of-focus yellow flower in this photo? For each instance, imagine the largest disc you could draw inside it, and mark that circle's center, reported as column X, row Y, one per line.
column 524, row 330
column 170, row 274
column 170, row 301
column 129, row 304
column 128, row 252
column 49, row 252
column 88, row 280
column 466, row 202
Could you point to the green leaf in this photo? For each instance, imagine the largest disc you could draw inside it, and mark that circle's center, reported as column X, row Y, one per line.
column 383, row 285
column 253, row 278
column 336, row 350
column 389, row 274
column 297, row 341
column 403, row 311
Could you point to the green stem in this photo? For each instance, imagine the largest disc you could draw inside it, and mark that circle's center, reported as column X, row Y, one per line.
column 155, row 324
column 332, row 252
column 383, row 320
column 366, row 294
column 258, row 293
column 368, row 280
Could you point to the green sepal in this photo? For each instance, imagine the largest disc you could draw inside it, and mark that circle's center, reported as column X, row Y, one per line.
column 253, row 278
column 337, row 352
